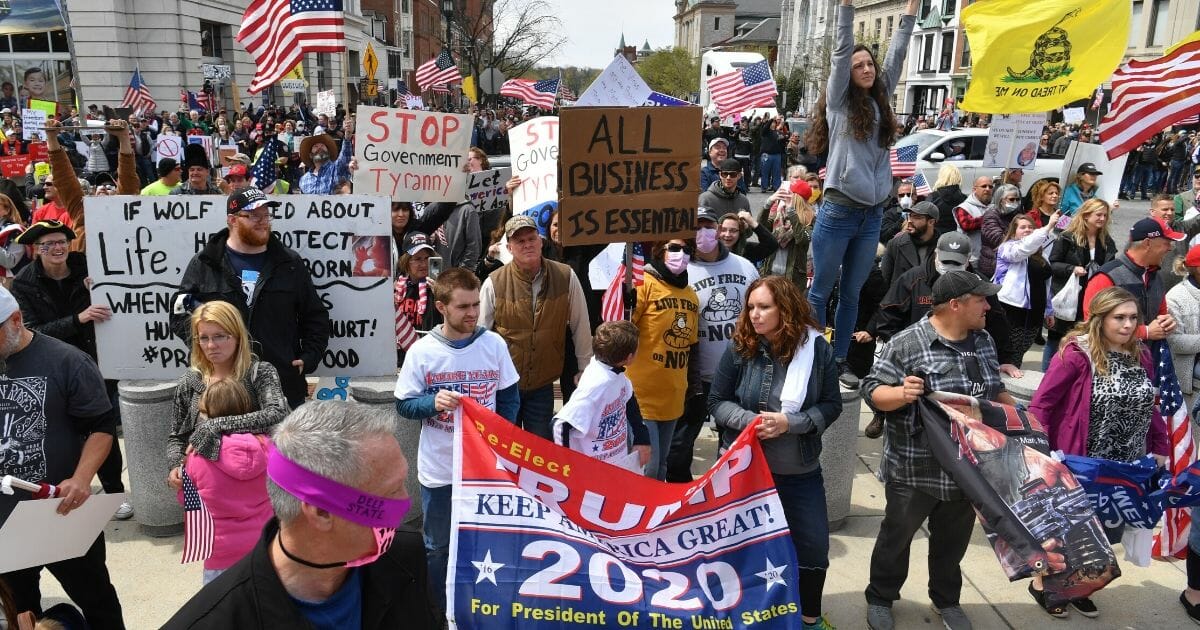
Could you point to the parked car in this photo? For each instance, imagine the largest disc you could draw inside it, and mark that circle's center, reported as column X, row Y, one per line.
column 965, row 148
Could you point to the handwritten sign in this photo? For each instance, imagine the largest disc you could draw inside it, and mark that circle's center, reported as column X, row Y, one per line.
column 618, row 85
column 168, row 147
column 628, row 174
column 1072, row 115
column 291, row 86
column 216, row 71
column 326, row 103
column 139, row 247
column 414, row 102
column 409, row 155
column 534, row 147
column 486, row 191
column 33, row 123
column 1013, row 140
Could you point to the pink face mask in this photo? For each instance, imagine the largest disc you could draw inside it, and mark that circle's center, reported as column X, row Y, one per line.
column 381, row 514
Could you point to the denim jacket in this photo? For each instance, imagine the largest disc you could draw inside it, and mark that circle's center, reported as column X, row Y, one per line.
column 742, row 387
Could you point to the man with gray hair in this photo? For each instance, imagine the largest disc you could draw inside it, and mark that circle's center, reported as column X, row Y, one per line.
column 332, row 557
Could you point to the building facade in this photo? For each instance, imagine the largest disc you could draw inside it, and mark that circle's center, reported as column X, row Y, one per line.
column 938, row 59
column 736, row 25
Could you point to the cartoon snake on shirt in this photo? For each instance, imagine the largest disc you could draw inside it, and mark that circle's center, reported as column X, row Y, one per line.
column 679, row 335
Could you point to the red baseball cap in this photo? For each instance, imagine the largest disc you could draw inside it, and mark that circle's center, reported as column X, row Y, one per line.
column 1193, row 257
column 237, row 170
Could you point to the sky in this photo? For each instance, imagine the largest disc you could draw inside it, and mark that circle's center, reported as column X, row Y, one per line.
column 593, row 28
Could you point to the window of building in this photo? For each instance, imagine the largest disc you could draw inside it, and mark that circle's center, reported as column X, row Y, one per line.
column 406, row 43
column 927, row 53
column 926, row 7
column 878, row 27
column 862, row 28
column 404, row 6
column 947, row 52
column 395, row 64
column 716, row 24
column 966, row 54
column 210, row 39
column 1159, row 26
column 355, row 69
column 948, row 8
column 1135, row 24
column 891, row 21
column 324, row 71
column 31, row 42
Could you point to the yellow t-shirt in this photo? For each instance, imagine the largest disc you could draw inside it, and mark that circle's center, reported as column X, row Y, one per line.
column 667, row 319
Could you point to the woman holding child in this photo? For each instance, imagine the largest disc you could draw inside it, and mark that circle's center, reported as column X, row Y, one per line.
column 780, row 371
column 224, row 407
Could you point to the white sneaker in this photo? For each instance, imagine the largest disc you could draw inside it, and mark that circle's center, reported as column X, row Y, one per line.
column 124, row 513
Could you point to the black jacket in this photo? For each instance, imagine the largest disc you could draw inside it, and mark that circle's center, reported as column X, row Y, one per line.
column 947, row 199
column 250, row 595
column 1064, row 258
column 288, row 320
column 51, row 307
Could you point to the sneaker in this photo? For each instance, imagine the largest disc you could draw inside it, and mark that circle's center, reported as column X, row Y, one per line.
column 874, row 427
column 845, row 376
column 1085, row 607
column 1059, row 612
column 953, row 617
column 1193, row 610
column 880, row 617
column 124, row 513
column 820, row 624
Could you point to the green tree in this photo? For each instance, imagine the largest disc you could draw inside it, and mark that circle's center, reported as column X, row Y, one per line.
column 671, row 71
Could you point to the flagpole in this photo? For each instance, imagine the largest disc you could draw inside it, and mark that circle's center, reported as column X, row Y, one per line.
column 627, row 284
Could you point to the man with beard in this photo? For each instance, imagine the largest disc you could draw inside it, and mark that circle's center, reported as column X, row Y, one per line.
column 969, row 214
column 247, row 266
column 914, row 245
column 322, row 174
column 56, row 427
column 199, row 182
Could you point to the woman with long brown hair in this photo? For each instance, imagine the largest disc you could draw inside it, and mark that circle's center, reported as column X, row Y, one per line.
column 781, row 372
column 853, row 126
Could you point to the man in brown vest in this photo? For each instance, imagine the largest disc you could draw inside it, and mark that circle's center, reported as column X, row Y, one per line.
column 532, row 303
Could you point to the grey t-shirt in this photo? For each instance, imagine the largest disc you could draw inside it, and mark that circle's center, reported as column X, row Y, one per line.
column 51, row 398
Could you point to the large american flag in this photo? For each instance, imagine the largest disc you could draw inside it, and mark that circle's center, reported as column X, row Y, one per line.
column 612, row 308
column 277, row 33
column 263, row 171
column 744, row 88
column 137, row 95
column 904, row 160
column 1172, row 540
column 200, row 102
column 539, row 93
column 197, row 522
column 438, row 71
column 1149, row 96
column 402, row 90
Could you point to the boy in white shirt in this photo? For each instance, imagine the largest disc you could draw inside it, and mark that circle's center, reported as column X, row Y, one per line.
column 602, row 411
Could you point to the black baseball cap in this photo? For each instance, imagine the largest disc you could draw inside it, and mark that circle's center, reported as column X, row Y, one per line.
column 730, row 164
column 415, row 242
column 247, row 200
column 1088, row 167
column 955, row 284
column 704, row 212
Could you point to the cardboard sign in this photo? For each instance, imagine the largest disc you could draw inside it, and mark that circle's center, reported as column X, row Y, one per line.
column 326, row 104
column 410, row 155
column 225, row 152
column 486, row 191
column 291, row 86
column 35, row 534
column 139, row 247
column 1013, row 140
column 33, row 124
column 49, row 107
column 629, row 174
column 618, row 85
column 534, row 146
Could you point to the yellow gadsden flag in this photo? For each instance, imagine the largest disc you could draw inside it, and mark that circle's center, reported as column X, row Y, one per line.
column 468, row 88
column 1038, row 56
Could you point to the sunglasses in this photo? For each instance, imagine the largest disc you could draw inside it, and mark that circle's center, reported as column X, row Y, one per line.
column 676, row 248
column 730, row 173
column 903, row 194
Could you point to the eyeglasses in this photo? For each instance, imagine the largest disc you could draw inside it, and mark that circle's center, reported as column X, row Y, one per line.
column 257, row 217
column 730, row 173
column 49, row 245
column 218, row 339
column 676, row 248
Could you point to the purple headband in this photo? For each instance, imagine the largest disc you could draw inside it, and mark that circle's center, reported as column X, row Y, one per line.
column 352, row 504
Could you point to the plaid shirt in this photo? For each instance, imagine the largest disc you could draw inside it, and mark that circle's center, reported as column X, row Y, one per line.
column 919, row 348
column 322, row 180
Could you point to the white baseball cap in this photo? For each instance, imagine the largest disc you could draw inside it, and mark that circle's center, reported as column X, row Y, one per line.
column 8, row 304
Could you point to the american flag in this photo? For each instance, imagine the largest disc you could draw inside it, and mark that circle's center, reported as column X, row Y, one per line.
column 440, row 89
column 263, row 171
column 744, row 88
column 137, row 95
column 277, row 33
column 197, row 523
column 1172, row 540
column 438, row 71
column 612, row 308
column 566, row 94
column 1149, row 96
column 904, row 160
column 1099, row 99
column 200, row 102
column 1190, row 120
column 539, row 93
column 402, row 90
column 921, row 185
column 821, row 173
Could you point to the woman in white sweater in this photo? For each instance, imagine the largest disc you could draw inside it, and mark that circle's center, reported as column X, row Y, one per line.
column 1024, row 279
column 1183, row 303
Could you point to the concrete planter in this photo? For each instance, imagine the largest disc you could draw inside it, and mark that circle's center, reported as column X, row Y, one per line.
column 146, row 417
column 838, row 458
column 379, row 392
column 1025, row 387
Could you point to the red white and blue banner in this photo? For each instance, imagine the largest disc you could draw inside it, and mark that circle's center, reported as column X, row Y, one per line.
column 545, row 535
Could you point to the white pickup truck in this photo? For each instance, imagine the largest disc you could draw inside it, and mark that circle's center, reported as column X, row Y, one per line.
column 964, row 148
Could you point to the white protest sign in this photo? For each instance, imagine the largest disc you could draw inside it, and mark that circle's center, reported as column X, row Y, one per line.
column 35, row 534
column 1108, row 185
column 414, row 102
column 1073, row 115
column 168, row 147
column 486, row 191
column 410, row 155
column 139, row 247
column 291, row 86
column 1013, row 140
column 326, row 103
column 216, row 71
column 618, row 85
column 534, row 146
column 33, row 123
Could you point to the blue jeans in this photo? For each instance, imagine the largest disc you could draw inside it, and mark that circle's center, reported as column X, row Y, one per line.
column 537, row 410
column 661, row 432
column 843, row 241
column 803, row 499
column 1143, row 180
column 1176, row 176
column 435, row 506
column 769, row 174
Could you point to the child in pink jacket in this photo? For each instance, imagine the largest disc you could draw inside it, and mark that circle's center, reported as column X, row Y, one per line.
column 233, row 488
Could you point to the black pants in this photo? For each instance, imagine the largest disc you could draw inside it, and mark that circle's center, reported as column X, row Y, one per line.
column 950, row 526
column 110, row 469
column 86, row 581
column 683, row 442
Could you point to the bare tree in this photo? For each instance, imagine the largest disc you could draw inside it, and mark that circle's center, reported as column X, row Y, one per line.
column 509, row 35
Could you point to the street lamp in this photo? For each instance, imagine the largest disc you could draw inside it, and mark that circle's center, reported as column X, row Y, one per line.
column 448, row 11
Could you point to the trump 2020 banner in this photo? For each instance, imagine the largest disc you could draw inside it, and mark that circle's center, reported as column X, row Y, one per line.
column 543, row 536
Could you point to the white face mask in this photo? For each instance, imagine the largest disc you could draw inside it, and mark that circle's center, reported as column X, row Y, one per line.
column 941, row 268
column 1011, row 207
column 906, row 202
